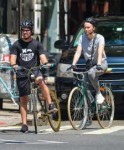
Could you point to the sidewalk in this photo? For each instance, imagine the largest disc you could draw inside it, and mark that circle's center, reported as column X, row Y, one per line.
column 10, row 116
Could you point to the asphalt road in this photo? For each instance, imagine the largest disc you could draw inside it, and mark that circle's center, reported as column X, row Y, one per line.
column 91, row 138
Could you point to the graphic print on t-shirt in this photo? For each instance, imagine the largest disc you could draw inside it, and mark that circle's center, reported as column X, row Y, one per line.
column 27, row 54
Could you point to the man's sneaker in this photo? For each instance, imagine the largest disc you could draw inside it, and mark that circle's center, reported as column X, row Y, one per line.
column 99, row 98
column 52, row 108
column 24, row 128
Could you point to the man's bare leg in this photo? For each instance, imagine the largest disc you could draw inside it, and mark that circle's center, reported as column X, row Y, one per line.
column 23, row 109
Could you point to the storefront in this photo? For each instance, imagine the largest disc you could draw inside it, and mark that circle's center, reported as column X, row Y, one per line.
column 42, row 12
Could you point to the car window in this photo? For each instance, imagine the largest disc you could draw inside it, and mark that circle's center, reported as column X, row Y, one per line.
column 113, row 32
column 81, row 31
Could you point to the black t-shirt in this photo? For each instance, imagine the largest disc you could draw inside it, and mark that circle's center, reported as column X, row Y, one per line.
column 27, row 52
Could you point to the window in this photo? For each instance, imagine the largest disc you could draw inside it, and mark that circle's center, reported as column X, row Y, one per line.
column 81, row 31
column 113, row 32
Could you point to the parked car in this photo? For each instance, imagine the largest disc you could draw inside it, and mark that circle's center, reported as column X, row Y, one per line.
column 112, row 28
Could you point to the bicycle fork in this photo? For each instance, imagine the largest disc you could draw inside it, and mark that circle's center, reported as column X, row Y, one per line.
column 33, row 100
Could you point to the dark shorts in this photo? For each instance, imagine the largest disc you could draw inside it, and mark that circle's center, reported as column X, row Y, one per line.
column 24, row 84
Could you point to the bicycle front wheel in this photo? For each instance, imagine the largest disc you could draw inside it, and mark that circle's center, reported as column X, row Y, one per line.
column 55, row 118
column 105, row 111
column 77, row 108
column 34, row 102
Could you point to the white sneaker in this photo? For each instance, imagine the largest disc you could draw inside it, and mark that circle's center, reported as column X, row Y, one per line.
column 99, row 98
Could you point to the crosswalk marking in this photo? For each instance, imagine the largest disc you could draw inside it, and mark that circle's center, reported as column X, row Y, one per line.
column 49, row 130
column 106, row 131
column 9, row 141
column 9, row 127
column 47, row 141
column 68, row 127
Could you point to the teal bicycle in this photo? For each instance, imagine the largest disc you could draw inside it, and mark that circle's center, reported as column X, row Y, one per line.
column 82, row 105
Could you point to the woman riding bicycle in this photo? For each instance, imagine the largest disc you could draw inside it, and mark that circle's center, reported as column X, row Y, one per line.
column 92, row 46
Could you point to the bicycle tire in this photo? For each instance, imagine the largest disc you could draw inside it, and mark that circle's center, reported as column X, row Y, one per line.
column 55, row 118
column 42, row 109
column 77, row 108
column 105, row 111
column 34, row 102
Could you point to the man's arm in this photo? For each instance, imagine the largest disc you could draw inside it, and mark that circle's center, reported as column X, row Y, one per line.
column 13, row 59
column 77, row 55
column 43, row 59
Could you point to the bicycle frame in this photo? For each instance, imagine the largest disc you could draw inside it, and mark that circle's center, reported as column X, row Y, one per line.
column 82, row 84
column 34, row 89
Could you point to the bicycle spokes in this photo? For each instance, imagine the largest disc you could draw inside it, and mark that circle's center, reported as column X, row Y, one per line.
column 55, row 116
column 77, row 108
column 105, row 111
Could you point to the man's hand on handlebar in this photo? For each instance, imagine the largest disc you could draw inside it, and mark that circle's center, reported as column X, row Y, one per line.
column 48, row 65
column 15, row 66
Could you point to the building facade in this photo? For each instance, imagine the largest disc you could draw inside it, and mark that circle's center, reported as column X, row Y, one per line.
column 53, row 19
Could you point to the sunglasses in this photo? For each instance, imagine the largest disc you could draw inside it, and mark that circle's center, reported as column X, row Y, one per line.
column 25, row 30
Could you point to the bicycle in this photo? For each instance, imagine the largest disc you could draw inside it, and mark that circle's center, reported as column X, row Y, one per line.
column 82, row 105
column 37, row 104
column 40, row 107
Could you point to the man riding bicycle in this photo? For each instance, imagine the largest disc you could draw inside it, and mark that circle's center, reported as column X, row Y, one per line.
column 28, row 52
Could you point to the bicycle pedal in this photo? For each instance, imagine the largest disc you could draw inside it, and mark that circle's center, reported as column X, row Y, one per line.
column 43, row 117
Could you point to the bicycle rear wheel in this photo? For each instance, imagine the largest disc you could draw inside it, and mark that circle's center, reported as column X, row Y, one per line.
column 55, row 117
column 77, row 108
column 105, row 111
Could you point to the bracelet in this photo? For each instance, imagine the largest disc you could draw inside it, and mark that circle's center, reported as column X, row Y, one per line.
column 46, row 63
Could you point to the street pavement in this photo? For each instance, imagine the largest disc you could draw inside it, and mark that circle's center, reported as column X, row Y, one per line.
column 91, row 138
column 10, row 116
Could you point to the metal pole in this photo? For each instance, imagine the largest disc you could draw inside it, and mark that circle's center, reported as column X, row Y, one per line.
column 19, row 17
column 68, row 23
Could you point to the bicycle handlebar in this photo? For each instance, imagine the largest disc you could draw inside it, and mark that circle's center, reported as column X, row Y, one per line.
column 21, row 67
column 26, row 72
column 36, row 67
column 82, row 74
column 79, row 75
column 6, row 67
